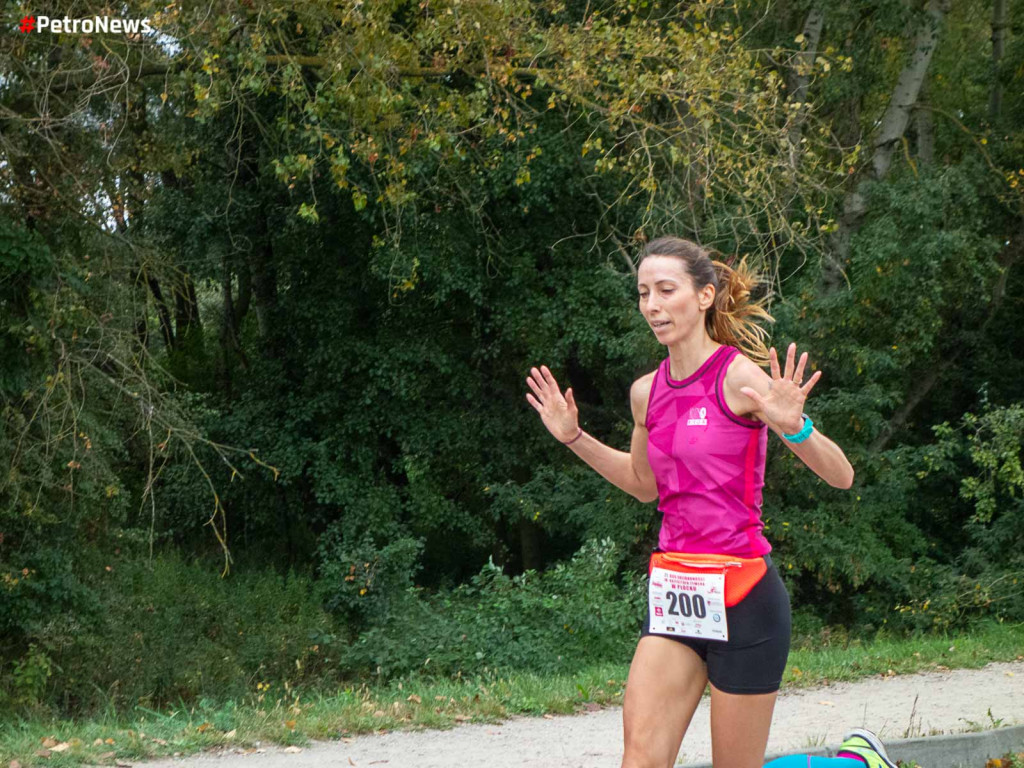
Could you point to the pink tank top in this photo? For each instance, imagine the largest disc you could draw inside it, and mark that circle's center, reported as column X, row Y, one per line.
column 708, row 463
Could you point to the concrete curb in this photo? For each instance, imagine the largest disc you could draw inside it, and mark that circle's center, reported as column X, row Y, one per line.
column 958, row 750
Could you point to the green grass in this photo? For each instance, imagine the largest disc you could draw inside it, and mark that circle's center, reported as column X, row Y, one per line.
column 284, row 717
column 813, row 662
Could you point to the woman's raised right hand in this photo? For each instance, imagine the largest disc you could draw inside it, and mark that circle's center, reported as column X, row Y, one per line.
column 559, row 414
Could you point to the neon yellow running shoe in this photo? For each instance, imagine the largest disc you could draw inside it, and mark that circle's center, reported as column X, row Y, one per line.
column 864, row 745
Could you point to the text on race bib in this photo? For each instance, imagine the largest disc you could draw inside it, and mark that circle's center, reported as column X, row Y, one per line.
column 687, row 604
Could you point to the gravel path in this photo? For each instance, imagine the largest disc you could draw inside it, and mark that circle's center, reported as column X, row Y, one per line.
column 894, row 707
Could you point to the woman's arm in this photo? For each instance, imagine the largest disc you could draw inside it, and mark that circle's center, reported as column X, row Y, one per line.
column 778, row 401
column 629, row 471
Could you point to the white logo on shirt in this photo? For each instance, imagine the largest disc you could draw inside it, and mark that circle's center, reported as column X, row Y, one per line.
column 698, row 417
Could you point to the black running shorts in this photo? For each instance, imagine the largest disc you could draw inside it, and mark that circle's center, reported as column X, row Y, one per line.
column 754, row 657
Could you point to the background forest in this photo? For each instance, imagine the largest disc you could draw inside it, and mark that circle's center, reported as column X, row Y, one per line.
column 272, row 277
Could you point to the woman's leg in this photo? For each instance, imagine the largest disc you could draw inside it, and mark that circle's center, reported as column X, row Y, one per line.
column 739, row 728
column 666, row 681
column 746, row 672
column 868, row 752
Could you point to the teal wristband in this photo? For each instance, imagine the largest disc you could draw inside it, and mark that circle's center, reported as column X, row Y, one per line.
column 804, row 433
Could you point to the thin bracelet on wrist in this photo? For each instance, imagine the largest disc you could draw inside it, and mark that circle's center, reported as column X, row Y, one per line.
column 578, row 436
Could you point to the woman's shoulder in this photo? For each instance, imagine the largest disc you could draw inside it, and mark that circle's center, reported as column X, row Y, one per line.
column 639, row 393
column 642, row 386
column 741, row 371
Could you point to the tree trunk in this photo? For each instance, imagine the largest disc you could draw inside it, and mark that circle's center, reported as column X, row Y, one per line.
column 800, row 78
column 186, row 307
column 162, row 310
column 995, row 104
column 890, row 133
column 244, row 293
column 529, row 545
column 924, row 127
column 263, row 274
column 133, row 210
column 227, row 331
column 904, row 95
column 186, row 303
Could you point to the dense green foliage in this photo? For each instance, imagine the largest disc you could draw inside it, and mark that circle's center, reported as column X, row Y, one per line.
column 270, row 287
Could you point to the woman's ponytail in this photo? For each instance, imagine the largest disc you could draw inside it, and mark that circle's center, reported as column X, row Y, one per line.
column 733, row 319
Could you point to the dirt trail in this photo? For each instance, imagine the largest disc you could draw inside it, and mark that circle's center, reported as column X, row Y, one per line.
column 894, row 707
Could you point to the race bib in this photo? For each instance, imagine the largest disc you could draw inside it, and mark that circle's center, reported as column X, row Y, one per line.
column 687, row 604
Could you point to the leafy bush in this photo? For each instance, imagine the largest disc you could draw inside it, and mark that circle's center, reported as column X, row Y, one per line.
column 363, row 584
column 177, row 630
column 944, row 599
column 570, row 615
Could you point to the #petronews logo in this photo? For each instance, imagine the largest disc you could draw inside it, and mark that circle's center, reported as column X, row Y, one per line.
column 90, row 26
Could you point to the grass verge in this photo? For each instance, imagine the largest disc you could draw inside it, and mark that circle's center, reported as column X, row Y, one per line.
column 290, row 718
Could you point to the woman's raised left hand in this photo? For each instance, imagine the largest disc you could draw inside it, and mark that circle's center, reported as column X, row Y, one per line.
column 783, row 405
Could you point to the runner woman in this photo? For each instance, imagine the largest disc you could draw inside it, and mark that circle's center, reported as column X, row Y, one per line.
column 698, row 446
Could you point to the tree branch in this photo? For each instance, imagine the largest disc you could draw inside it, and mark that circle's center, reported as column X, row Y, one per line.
column 1011, row 255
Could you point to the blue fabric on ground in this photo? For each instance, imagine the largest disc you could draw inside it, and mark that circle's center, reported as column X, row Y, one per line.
column 809, row 761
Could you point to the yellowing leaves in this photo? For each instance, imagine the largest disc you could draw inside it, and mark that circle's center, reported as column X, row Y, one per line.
column 309, row 213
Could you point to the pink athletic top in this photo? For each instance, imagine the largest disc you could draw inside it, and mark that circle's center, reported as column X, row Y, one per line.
column 708, row 463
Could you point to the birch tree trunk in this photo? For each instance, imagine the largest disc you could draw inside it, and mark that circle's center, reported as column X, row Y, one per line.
column 890, row 131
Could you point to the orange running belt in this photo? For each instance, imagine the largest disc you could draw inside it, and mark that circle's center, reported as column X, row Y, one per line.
column 741, row 573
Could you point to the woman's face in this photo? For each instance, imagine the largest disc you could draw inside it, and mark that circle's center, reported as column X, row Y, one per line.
column 668, row 300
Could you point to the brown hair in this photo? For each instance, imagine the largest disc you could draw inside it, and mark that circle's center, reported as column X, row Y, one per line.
column 732, row 319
